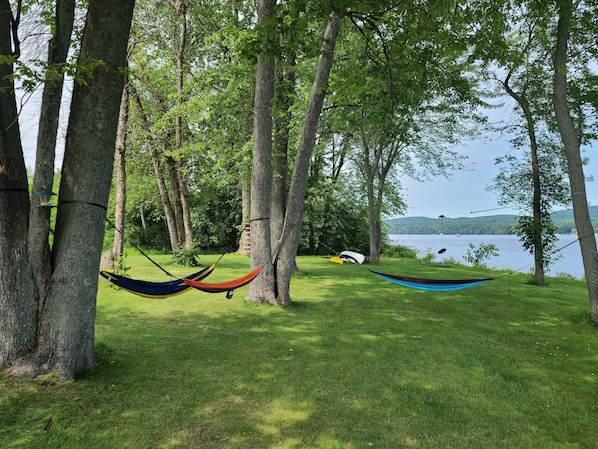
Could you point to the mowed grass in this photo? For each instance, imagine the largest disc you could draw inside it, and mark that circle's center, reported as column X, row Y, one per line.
column 353, row 362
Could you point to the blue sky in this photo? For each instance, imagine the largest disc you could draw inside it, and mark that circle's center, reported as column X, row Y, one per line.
column 465, row 192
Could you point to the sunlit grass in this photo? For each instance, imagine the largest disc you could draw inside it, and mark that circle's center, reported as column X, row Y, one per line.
column 354, row 362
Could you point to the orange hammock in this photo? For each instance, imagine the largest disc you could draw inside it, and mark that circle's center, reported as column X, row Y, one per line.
column 220, row 287
column 155, row 290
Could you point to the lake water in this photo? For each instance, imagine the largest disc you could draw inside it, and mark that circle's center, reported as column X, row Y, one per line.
column 511, row 254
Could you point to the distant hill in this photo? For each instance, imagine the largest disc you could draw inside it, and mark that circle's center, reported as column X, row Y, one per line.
column 490, row 225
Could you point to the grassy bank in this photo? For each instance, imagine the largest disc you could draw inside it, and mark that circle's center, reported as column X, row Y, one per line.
column 354, row 362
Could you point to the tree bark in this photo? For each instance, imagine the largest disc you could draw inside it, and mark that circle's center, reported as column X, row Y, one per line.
column 177, row 205
column 571, row 142
column 187, row 232
column 280, row 155
column 121, row 181
column 65, row 331
column 39, row 218
column 374, row 221
column 262, row 288
column 283, row 101
column 18, row 304
column 187, row 227
column 285, row 261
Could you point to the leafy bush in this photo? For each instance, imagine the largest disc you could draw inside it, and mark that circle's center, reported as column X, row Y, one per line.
column 183, row 257
column 428, row 256
column 477, row 256
column 399, row 252
column 563, row 275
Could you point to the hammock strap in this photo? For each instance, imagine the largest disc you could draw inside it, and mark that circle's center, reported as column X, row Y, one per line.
column 140, row 250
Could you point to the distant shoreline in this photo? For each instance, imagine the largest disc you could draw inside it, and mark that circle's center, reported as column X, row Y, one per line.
column 510, row 255
column 488, row 225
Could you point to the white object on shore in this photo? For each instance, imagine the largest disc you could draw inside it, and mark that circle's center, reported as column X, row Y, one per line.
column 352, row 256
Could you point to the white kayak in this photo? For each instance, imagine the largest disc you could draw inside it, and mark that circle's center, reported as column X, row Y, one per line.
column 352, row 256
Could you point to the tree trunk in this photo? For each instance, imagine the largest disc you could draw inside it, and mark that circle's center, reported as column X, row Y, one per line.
column 374, row 225
column 285, row 261
column 536, row 207
column 187, row 228
column 374, row 172
column 121, row 181
column 280, row 158
column 184, row 223
column 39, row 218
column 65, row 336
column 537, row 194
column 169, row 209
column 571, row 142
column 18, row 305
column 283, row 102
column 262, row 288
column 177, row 205
column 159, row 173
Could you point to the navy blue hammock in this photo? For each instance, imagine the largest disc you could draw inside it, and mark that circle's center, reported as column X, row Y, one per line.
column 437, row 285
column 156, row 290
column 159, row 290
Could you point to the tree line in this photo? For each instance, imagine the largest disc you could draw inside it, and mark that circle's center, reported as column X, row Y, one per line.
column 294, row 119
column 489, row 225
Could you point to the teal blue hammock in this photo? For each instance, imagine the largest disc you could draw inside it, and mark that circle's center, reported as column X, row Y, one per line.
column 436, row 285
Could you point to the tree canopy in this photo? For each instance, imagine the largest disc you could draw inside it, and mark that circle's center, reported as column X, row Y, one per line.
column 295, row 120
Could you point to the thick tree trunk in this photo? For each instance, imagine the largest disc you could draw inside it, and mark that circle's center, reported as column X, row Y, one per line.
column 285, row 261
column 262, row 288
column 283, row 101
column 571, row 142
column 121, row 181
column 65, row 336
column 18, row 305
column 39, row 218
column 280, row 157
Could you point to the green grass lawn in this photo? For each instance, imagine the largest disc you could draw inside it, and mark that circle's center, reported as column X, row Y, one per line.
column 353, row 362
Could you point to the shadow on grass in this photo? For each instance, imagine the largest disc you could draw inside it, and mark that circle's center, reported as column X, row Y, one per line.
column 353, row 362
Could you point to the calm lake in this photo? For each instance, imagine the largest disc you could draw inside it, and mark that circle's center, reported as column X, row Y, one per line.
column 511, row 254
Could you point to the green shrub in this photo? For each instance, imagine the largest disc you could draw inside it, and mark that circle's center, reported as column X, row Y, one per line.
column 399, row 252
column 183, row 257
column 477, row 255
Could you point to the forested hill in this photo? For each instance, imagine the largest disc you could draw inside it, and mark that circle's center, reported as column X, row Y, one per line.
column 494, row 224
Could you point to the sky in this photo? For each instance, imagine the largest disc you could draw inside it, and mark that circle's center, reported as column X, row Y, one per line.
column 465, row 193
